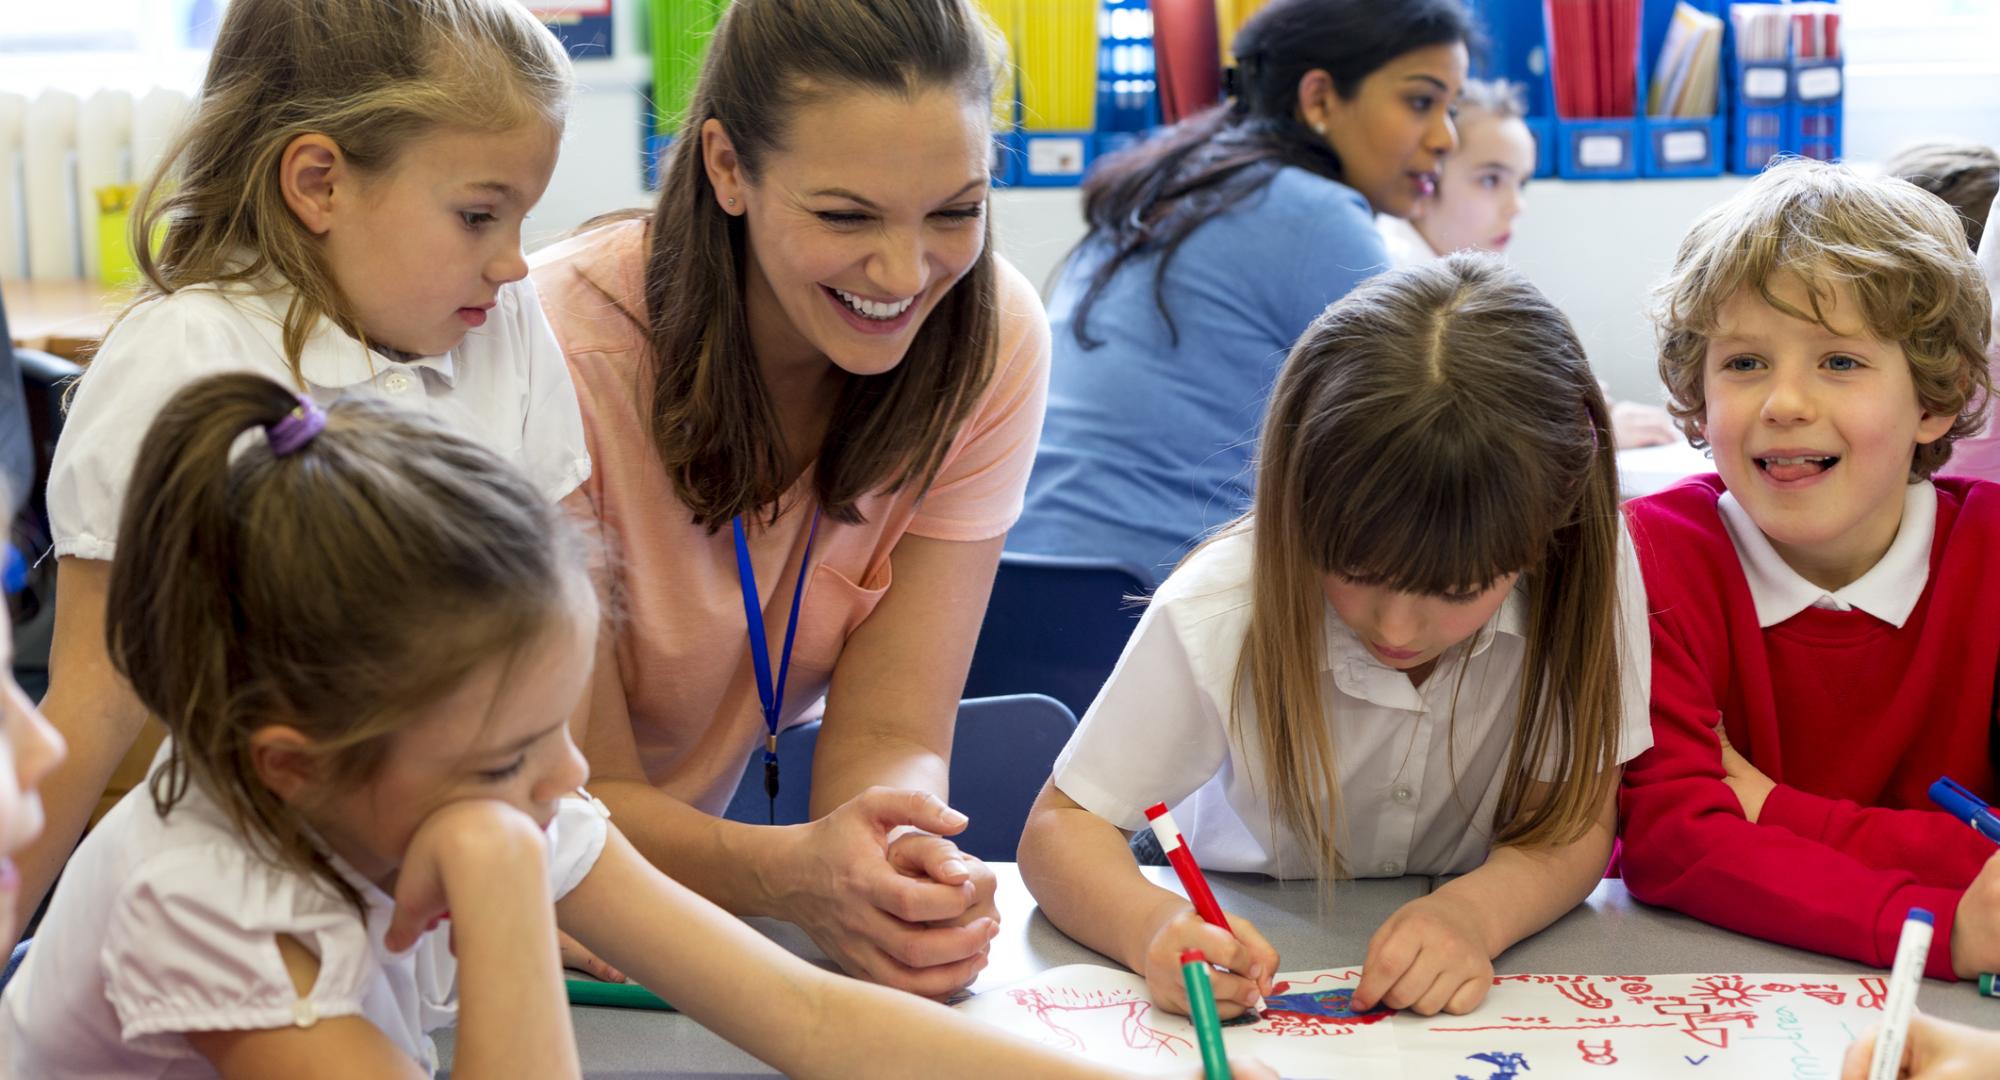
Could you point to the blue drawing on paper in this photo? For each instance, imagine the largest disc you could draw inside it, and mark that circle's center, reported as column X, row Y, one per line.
column 1507, row 1064
column 1326, row 1004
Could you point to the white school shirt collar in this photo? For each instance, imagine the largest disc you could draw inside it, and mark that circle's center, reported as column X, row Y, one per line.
column 1360, row 674
column 331, row 358
column 1889, row 590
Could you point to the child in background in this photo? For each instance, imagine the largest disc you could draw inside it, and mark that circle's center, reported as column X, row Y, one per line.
column 1422, row 652
column 1480, row 183
column 1479, row 194
column 366, row 635
column 1824, row 618
column 343, row 212
column 1966, row 175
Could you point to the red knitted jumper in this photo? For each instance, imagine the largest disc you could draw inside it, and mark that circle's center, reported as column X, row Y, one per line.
column 1851, row 717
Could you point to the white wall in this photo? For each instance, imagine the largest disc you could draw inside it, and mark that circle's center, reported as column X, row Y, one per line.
column 1595, row 247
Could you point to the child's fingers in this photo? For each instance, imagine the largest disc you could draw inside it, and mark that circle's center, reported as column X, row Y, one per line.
column 1389, row 958
column 1263, row 956
column 1233, row 994
column 1416, row 980
column 1860, row 1054
column 1470, row 994
column 574, row 955
column 1439, row 994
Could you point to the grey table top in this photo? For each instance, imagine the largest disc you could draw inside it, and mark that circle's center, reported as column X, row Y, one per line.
column 1609, row 933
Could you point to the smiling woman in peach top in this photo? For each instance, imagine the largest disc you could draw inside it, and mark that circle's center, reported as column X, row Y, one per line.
column 810, row 340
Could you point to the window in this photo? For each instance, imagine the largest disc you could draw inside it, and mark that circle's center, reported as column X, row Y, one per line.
column 83, row 46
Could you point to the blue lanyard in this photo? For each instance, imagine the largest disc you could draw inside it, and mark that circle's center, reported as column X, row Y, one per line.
column 770, row 696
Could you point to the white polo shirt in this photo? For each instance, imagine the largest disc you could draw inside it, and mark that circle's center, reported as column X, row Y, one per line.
column 1419, row 776
column 1889, row 590
column 506, row 385
column 165, row 926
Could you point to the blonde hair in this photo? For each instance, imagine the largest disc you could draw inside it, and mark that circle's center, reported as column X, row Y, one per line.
column 1434, row 431
column 372, row 75
column 335, row 589
column 1497, row 99
column 1898, row 251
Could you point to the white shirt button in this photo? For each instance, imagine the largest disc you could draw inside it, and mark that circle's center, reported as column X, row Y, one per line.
column 396, row 383
column 303, row 1013
column 1402, row 793
column 1391, row 868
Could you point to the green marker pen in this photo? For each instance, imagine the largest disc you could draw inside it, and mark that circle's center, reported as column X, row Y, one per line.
column 1201, row 1009
column 1986, row 987
column 614, row 995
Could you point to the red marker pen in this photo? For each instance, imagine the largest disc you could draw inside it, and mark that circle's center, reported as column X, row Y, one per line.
column 1182, row 860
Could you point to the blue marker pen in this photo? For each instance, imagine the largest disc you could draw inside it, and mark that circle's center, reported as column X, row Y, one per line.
column 1952, row 797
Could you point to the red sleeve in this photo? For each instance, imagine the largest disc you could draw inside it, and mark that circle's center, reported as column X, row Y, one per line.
column 1688, row 846
column 1931, row 844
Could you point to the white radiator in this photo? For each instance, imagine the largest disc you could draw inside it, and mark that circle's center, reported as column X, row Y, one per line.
column 56, row 151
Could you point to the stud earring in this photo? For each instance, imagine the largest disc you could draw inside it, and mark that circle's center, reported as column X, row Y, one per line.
column 1319, row 129
column 732, row 202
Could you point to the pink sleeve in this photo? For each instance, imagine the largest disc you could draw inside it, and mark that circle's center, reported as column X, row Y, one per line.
column 978, row 492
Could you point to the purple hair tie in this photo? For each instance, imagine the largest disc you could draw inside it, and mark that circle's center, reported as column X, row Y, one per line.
column 296, row 429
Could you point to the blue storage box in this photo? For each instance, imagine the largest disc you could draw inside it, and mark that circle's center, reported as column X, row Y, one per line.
column 1543, row 128
column 1670, row 146
column 1759, row 110
column 1597, row 149
column 1054, row 158
column 1813, row 122
column 1006, row 159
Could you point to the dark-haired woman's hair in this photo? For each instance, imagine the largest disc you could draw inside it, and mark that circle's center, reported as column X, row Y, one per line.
column 336, row 589
column 1150, row 197
column 1435, row 430
column 705, row 402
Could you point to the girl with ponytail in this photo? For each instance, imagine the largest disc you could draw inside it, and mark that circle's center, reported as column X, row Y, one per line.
column 366, row 636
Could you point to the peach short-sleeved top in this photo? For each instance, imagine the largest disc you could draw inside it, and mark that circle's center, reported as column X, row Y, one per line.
column 683, row 655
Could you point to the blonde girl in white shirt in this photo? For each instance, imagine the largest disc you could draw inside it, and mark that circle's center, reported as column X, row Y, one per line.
column 1424, row 651
column 342, row 212
column 366, row 635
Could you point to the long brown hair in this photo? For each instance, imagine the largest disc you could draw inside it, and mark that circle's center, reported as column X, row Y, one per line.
column 335, row 589
column 372, row 75
column 1434, row 431
column 711, row 416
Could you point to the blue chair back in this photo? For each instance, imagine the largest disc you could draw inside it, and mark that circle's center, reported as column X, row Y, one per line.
column 1055, row 625
column 1001, row 754
column 1002, row 751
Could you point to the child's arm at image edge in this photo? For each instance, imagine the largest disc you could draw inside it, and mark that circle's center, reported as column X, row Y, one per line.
column 802, row 1020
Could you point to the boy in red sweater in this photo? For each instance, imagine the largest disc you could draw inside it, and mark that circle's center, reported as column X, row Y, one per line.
column 1826, row 617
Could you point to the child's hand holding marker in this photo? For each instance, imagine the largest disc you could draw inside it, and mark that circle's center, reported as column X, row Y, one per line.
column 1429, row 957
column 1935, row 1050
column 1230, row 942
column 1246, row 961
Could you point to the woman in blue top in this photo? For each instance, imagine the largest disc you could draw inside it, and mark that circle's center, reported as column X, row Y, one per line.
column 1211, row 246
